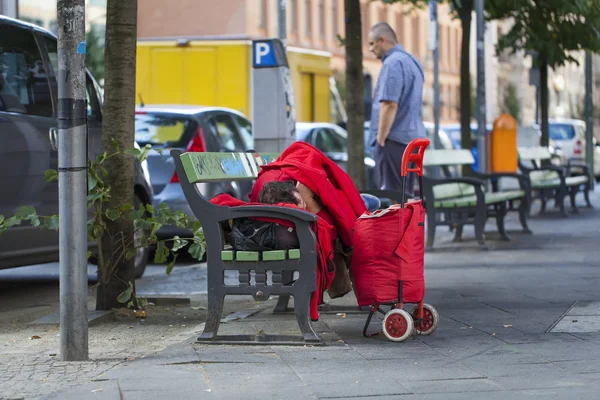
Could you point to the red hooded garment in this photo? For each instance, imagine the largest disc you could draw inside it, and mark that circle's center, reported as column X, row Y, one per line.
column 325, row 267
column 342, row 203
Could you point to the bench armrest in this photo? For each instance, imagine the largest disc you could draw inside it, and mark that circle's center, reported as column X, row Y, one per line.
column 268, row 211
column 468, row 180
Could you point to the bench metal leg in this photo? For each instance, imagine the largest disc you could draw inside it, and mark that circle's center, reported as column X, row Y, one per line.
column 543, row 204
column 586, row 195
column 284, row 299
column 523, row 212
column 572, row 194
column 500, row 214
column 282, row 303
column 302, row 311
column 458, row 233
column 213, row 316
column 480, row 217
column 430, row 228
column 560, row 199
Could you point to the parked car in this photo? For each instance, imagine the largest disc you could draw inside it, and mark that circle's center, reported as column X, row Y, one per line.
column 332, row 140
column 189, row 128
column 28, row 124
column 568, row 136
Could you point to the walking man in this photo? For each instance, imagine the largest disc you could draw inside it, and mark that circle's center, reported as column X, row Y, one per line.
column 396, row 117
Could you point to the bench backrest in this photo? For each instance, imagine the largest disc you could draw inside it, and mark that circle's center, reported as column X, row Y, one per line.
column 534, row 153
column 219, row 167
column 439, row 158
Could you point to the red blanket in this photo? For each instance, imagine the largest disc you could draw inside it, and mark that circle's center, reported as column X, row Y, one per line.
column 325, row 268
column 305, row 163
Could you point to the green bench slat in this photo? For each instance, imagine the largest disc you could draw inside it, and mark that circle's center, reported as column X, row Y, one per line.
column 451, row 190
column 490, row 198
column 275, row 255
column 246, row 256
column 576, row 180
column 555, row 182
column 456, row 203
column 294, row 254
column 545, row 183
column 216, row 167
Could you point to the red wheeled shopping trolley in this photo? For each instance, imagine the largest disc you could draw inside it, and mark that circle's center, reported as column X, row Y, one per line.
column 388, row 260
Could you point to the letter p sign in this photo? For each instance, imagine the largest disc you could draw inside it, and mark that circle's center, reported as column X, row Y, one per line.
column 264, row 56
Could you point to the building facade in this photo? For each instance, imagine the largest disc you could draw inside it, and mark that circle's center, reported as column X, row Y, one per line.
column 317, row 25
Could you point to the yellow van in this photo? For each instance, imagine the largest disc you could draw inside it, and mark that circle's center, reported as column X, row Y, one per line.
column 218, row 73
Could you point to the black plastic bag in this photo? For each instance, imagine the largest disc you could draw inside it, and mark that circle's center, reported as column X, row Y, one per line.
column 252, row 235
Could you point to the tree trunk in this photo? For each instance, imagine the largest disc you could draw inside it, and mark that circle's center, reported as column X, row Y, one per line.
column 354, row 96
column 465, row 13
column 114, row 271
column 544, row 100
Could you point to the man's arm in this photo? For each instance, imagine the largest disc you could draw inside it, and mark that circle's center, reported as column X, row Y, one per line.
column 387, row 113
column 392, row 74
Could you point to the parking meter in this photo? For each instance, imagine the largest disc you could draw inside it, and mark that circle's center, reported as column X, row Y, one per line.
column 273, row 108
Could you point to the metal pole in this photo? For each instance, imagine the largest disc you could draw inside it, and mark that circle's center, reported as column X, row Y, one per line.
column 281, row 21
column 433, row 17
column 589, row 117
column 481, row 123
column 72, row 180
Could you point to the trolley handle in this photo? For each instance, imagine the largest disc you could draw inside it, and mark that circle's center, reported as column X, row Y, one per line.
column 417, row 158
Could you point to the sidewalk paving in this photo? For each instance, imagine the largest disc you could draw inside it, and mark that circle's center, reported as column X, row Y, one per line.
column 518, row 321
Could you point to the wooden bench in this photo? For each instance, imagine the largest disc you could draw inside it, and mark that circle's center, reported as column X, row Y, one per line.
column 196, row 168
column 551, row 181
column 458, row 201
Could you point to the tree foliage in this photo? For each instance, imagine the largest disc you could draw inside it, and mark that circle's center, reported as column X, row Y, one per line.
column 552, row 29
column 511, row 104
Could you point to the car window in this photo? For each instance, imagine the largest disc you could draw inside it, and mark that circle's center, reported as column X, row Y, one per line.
column 226, row 131
column 245, row 129
column 93, row 107
column 23, row 77
column 160, row 130
column 561, row 131
column 329, row 141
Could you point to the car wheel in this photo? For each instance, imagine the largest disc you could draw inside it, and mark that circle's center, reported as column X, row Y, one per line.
column 142, row 253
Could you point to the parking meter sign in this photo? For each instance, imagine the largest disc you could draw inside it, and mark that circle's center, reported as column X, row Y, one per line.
column 263, row 54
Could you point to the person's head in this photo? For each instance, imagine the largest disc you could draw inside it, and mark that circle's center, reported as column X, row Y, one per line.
column 280, row 192
column 381, row 39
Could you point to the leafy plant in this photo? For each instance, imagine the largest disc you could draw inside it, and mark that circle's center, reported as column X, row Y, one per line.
column 146, row 220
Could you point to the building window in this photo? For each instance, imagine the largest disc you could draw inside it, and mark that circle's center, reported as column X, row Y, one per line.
column 308, row 17
column 263, row 13
column 334, row 19
column 322, row 18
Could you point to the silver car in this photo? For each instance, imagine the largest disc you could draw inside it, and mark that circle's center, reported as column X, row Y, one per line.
column 332, row 140
column 189, row 128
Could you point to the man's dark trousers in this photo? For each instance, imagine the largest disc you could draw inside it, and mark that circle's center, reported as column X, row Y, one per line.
column 388, row 160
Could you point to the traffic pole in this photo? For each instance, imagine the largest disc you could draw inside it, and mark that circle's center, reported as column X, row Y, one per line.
column 481, row 117
column 281, row 22
column 72, row 180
